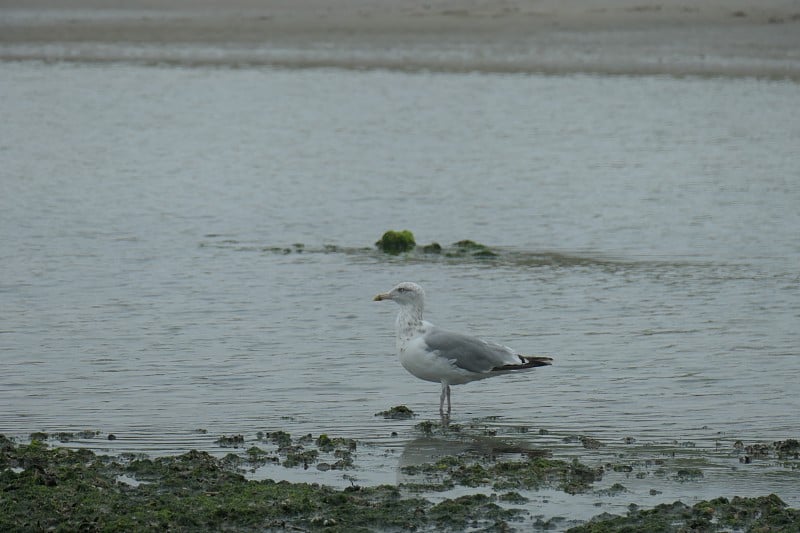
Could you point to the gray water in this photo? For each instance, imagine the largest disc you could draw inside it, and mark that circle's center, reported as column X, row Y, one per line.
column 651, row 224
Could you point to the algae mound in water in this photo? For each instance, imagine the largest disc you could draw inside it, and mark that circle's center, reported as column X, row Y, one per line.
column 432, row 248
column 280, row 438
column 398, row 412
column 787, row 448
column 395, row 242
column 475, row 249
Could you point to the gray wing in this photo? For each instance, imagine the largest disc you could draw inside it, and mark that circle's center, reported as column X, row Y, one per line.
column 470, row 353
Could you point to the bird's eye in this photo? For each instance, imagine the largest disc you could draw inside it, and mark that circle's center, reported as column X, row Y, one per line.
column 401, row 289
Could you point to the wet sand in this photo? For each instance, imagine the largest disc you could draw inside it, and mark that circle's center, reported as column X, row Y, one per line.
column 675, row 37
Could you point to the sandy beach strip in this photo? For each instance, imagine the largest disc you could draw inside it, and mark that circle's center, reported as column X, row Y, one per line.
column 674, row 37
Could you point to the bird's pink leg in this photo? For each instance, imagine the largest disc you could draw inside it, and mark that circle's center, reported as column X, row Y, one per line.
column 445, row 394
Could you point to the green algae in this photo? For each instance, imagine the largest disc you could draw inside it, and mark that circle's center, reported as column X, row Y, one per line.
column 232, row 441
column 614, row 490
column 77, row 490
column 281, row 439
column 587, row 442
column 403, row 242
column 590, row 444
column 786, row 449
column 426, row 427
column 430, row 428
column 257, row 457
column 396, row 242
column 460, row 512
column 513, row 497
column 765, row 513
column 689, row 474
column 398, row 412
column 297, row 452
column 328, row 444
column 66, row 436
column 471, row 248
column 531, row 473
column 301, row 458
column 69, row 490
column 467, row 244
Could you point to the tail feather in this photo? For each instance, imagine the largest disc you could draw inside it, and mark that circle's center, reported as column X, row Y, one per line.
column 528, row 361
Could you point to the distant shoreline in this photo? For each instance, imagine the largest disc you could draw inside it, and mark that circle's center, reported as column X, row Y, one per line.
column 718, row 38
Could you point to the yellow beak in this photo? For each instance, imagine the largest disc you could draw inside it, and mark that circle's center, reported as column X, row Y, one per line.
column 381, row 296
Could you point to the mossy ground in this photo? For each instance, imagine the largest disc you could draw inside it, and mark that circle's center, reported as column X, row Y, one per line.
column 75, row 490
column 44, row 488
column 766, row 513
column 529, row 473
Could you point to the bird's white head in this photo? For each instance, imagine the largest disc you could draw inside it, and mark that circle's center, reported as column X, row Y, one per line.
column 405, row 293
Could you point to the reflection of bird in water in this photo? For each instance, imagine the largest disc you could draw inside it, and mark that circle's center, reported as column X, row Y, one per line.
column 441, row 356
column 426, row 450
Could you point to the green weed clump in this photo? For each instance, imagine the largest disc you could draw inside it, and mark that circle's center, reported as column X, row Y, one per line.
column 398, row 412
column 533, row 473
column 75, row 490
column 764, row 513
column 396, row 242
column 472, row 248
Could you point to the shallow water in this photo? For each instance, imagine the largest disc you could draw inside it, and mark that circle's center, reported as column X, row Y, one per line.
column 649, row 228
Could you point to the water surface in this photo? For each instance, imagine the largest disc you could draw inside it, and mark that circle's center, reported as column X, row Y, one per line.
column 651, row 225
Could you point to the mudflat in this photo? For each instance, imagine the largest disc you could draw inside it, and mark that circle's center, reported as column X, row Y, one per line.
column 676, row 37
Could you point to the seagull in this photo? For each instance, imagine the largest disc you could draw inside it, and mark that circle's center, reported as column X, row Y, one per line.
column 434, row 354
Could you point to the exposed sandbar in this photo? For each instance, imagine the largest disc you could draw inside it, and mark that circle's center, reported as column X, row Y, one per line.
column 676, row 37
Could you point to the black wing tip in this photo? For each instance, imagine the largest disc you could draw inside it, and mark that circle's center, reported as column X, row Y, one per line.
column 529, row 362
column 537, row 360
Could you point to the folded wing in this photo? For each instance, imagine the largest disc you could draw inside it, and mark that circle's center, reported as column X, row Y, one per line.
column 477, row 355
